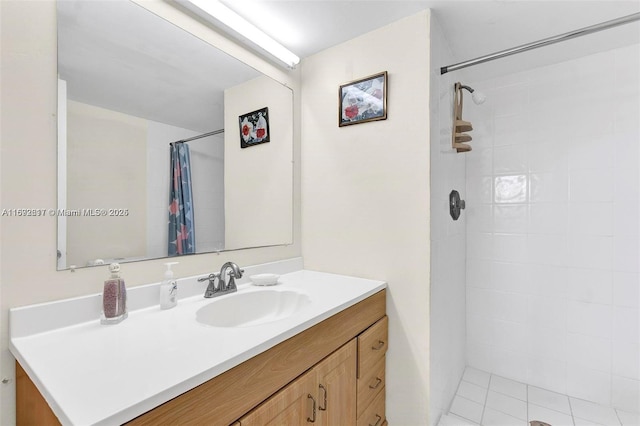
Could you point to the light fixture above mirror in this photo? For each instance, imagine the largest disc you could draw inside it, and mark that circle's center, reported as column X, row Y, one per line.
column 221, row 14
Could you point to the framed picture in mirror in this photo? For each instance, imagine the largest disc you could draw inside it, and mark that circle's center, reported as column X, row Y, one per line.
column 363, row 100
column 254, row 128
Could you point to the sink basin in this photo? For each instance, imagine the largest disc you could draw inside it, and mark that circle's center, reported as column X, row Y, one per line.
column 252, row 308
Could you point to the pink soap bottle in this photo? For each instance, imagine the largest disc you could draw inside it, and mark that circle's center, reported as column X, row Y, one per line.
column 114, row 297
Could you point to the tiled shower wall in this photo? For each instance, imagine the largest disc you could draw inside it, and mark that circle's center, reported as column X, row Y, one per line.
column 552, row 228
column 447, row 326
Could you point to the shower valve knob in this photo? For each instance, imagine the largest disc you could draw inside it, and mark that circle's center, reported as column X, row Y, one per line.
column 456, row 204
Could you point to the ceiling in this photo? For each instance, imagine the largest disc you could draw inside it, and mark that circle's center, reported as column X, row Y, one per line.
column 472, row 28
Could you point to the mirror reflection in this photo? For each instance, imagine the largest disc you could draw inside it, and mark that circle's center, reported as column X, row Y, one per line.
column 150, row 160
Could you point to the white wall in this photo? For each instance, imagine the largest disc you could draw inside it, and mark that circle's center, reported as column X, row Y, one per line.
column 28, row 180
column 448, row 238
column 107, row 170
column 553, row 220
column 366, row 192
column 257, row 199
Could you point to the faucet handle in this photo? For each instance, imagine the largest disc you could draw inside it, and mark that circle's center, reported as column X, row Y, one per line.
column 231, row 285
column 211, row 288
column 210, row 277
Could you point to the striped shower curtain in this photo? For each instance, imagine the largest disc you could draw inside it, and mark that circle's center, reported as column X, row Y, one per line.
column 181, row 226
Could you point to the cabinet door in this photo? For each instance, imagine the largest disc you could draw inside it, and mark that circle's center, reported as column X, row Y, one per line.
column 294, row 405
column 336, row 387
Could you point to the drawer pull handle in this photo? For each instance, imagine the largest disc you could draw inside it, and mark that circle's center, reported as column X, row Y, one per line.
column 377, row 421
column 379, row 346
column 324, row 404
column 378, row 381
column 312, row 419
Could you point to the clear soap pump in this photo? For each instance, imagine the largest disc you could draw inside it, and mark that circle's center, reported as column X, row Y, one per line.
column 168, row 288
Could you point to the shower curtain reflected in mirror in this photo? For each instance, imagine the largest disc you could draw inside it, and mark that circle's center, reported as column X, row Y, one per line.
column 181, row 224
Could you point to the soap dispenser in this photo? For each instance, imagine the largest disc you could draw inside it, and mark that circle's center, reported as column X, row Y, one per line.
column 114, row 297
column 168, row 289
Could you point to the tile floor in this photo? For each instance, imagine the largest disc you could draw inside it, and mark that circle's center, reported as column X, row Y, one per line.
column 489, row 400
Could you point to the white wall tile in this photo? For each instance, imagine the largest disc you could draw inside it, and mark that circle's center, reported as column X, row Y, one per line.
column 479, row 217
column 590, row 285
column 510, row 129
column 547, row 157
column 511, row 159
column 547, row 312
column 589, row 318
column 590, row 352
column 548, row 218
column 510, row 188
column 548, row 373
column 510, row 277
column 547, row 280
column 512, row 364
column 626, row 289
column 591, row 185
column 547, row 343
column 549, row 187
column 590, row 251
column 510, row 335
column 626, row 325
column 625, row 394
column 478, row 377
column 591, row 218
column 626, row 360
column 590, row 385
column 510, row 218
column 565, row 203
column 510, row 247
column 626, row 254
column 547, row 249
column 591, row 153
column 479, row 273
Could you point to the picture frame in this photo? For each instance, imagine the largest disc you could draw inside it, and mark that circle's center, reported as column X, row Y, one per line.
column 254, row 128
column 363, row 100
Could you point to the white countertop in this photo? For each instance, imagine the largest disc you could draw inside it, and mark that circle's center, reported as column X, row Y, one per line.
column 109, row 374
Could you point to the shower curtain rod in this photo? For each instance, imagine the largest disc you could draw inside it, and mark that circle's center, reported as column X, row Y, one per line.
column 204, row 135
column 544, row 42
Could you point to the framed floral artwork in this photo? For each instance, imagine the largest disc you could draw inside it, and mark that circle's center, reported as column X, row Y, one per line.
column 363, row 100
column 254, row 128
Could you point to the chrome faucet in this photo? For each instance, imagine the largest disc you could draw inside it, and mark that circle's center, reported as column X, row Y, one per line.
column 223, row 286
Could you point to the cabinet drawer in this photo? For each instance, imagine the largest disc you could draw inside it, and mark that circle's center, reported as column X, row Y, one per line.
column 372, row 345
column 374, row 414
column 370, row 384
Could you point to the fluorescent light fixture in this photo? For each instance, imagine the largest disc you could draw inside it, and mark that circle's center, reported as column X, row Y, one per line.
column 237, row 23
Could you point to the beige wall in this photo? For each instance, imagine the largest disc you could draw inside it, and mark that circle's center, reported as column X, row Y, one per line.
column 366, row 192
column 258, row 209
column 28, row 174
column 108, row 170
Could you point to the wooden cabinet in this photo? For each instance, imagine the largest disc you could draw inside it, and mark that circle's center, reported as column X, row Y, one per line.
column 324, row 395
column 372, row 347
column 292, row 406
column 281, row 385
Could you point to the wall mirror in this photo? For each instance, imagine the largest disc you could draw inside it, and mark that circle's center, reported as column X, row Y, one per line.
column 130, row 85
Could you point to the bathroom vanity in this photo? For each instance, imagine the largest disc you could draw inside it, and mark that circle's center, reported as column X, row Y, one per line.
column 323, row 364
